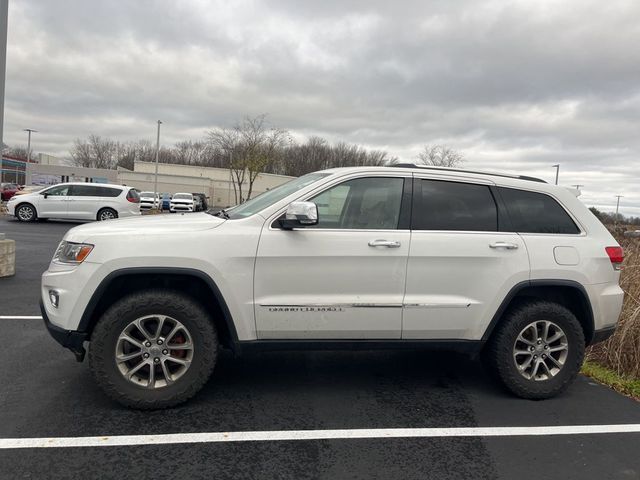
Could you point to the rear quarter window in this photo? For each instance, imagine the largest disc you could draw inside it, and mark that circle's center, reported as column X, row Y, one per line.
column 532, row 212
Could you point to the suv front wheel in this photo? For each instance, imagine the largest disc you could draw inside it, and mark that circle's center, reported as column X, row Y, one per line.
column 537, row 350
column 153, row 349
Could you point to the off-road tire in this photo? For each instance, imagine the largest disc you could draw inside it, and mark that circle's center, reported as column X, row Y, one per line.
column 153, row 302
column 499, row 354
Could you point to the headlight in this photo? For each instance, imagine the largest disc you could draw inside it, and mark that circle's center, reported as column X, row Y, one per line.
column 73, row 253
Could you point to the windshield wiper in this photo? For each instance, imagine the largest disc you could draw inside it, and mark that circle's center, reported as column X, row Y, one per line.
column 222, row 213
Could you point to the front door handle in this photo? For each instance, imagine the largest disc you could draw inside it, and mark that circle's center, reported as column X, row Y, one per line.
column 507, row 245
column 384, row 243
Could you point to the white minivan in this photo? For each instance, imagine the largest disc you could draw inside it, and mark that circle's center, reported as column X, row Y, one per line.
column 78, row 201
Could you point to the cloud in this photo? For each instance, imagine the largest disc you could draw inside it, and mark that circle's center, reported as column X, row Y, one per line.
column 517, row 86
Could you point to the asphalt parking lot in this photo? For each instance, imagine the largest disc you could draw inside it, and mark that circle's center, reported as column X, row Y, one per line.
column 45, row 394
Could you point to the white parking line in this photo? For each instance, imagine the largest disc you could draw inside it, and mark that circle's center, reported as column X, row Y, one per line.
column 296, row 435
column 20, row 317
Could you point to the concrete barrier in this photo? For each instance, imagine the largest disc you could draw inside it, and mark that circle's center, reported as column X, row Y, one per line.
column 7, row 256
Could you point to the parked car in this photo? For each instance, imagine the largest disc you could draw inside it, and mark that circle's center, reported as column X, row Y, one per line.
column 166, row 201
column 149, row 200
column 8, row 190
column 31, row 189
column 201, row 202
column 79, row 201
column 504, row 267
column 182, row 202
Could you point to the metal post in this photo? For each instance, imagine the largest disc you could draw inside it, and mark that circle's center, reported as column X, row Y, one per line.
column 4, row 11
column 230, row 180
column 155, row 183
column 615, row 221
column 557, row 172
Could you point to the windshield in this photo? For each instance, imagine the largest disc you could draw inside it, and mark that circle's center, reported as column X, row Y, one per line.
column 274, row 195
column 146, row 194
column 182, row 196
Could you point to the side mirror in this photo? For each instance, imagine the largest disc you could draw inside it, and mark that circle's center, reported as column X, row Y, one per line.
column 300, row 214
column 45, row 195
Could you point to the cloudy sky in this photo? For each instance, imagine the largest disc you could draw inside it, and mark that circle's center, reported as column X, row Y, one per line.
column 514, row 85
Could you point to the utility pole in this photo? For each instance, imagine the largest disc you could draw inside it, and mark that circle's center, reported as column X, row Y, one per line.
column 557, row 172
column 230, row 180
column 30, row 131
column 4, row 13
column 615, row 221
column 155, row 183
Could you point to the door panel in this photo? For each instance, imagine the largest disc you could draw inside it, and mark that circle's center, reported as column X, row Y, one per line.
column 329, row 284
column 460, row 266
column 345, row 278
column 456, row 281
column 55, row 204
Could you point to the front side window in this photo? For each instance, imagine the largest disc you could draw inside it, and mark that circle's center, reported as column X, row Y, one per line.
column 532, row 212
column 363, row 203
column 456, row 206
column 58, row 191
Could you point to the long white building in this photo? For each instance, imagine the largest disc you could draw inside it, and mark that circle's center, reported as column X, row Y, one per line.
column 215, row 183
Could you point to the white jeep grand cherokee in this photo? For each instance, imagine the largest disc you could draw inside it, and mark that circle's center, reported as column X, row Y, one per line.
column 502, row 265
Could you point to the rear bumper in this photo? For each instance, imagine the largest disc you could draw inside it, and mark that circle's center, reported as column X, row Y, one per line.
column 602, row 335
column 70, row 339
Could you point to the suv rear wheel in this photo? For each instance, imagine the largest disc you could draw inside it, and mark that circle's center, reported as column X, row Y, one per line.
column 537, row 350
column 153, row 349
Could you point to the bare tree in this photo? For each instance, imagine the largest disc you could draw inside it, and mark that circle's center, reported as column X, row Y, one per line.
column 251, row 148
column 440, row 156
column 95, row 152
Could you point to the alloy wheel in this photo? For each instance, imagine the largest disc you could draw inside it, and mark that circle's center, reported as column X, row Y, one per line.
column 540, row 350
column 154, row 351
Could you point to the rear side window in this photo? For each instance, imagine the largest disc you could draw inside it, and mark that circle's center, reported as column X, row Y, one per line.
column 532, row 212
column 108, row 192
column 443, row 205
column 83, row 191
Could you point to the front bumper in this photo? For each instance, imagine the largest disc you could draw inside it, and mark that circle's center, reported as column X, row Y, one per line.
column 70, row 339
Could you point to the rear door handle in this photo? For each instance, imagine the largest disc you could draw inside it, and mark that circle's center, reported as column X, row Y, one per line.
column 507, row 245
column 384, row 243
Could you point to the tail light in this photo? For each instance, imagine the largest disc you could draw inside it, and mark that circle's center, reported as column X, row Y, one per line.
column 616, row 255
column 133, row 196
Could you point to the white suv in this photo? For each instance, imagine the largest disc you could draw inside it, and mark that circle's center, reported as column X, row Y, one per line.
column 182, row 202
column 78, row 201
column 504, row 266
column 149, row 200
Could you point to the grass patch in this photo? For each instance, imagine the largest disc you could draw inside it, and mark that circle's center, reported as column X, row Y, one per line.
column 619, row 383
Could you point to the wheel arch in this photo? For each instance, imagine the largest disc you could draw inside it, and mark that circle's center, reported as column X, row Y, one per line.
column 568, row 293
column 101, row 209
column 25, row 202
column 195, row 283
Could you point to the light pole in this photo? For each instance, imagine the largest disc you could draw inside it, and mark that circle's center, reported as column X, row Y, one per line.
column 30, row 131
column 4, row 10
column 557, row 171
column 615, row 221
column 155, row 182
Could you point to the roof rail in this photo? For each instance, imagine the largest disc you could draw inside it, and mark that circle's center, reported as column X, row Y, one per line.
column 475, row 172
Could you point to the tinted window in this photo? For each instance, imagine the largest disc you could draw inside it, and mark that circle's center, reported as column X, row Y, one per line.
column 536, row 213
column 108, row 192
column 84, row 191
column 363, row 203
column 455, row 206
